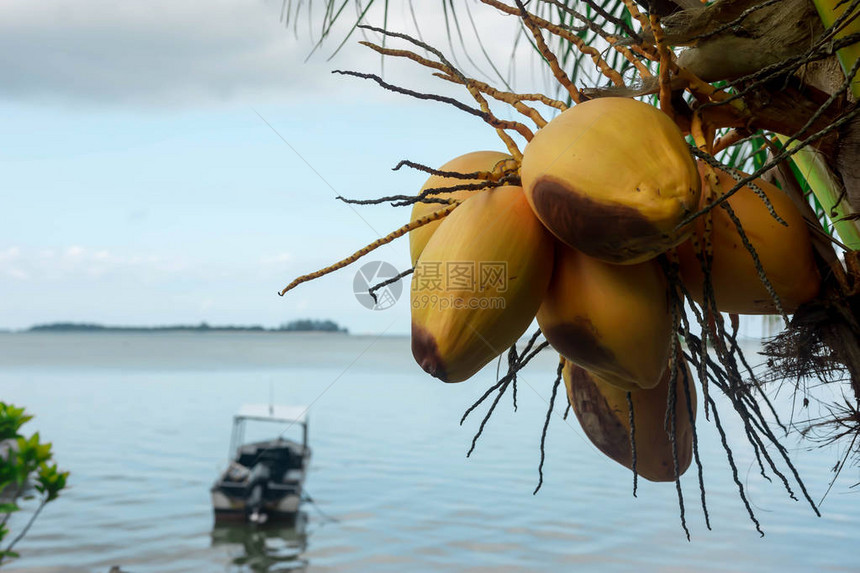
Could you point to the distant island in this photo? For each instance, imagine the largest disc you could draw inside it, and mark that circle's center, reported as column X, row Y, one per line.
column 305, row 325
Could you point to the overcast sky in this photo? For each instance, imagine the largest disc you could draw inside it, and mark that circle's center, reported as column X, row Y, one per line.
column 140, row 185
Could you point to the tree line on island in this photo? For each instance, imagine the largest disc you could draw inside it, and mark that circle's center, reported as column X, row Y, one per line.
column 303, row 325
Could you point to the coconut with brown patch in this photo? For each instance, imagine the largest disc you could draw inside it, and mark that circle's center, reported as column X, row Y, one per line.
column 604, row 414
column 612, row 319
column 785, row 253
column 612, row 177
column 478, row 283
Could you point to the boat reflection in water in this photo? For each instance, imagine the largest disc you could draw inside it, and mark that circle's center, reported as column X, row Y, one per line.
column 272, row 548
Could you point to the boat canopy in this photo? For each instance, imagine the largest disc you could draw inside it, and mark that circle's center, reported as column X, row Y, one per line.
column 290, row 415
column 273, row 413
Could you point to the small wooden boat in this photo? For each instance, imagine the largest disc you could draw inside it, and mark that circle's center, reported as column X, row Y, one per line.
column 264, row 479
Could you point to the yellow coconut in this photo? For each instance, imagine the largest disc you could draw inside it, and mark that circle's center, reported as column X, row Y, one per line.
column 612, row 177
column 604, row 414
column 612, row 319
column 785, row 253
column 468, row 163
column 478, row 283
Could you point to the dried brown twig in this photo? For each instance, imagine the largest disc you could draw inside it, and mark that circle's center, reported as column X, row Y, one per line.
column 435, row 216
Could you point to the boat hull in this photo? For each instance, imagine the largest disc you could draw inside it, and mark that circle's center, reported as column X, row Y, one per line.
column 230, row 510
column 263, row 483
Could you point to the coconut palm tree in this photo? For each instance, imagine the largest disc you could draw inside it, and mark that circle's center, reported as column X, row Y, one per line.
column 768, row 87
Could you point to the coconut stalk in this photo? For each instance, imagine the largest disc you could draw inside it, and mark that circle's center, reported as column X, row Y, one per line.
column 830, row 11
column 827, row 189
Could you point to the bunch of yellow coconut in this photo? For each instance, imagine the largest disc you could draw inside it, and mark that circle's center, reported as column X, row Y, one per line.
column 606, row 188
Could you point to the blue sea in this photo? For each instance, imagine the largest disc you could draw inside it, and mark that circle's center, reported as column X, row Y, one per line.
column 143, row 421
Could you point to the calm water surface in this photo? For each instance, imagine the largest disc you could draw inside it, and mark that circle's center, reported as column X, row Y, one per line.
column 143, row 422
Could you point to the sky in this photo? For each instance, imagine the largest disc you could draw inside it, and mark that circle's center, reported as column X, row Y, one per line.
column 175, row 162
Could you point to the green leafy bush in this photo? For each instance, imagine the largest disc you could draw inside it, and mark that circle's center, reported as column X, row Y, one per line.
column 25, row 465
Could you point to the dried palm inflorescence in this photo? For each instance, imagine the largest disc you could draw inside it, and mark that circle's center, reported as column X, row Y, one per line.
column 753, row 85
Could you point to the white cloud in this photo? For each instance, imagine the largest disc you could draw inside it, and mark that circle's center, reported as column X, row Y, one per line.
column 277, row 259
column 9, row 254
column 152, row 52
column 167, row 53
column 10, row 264
column 76, row 262
column 16, row 273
